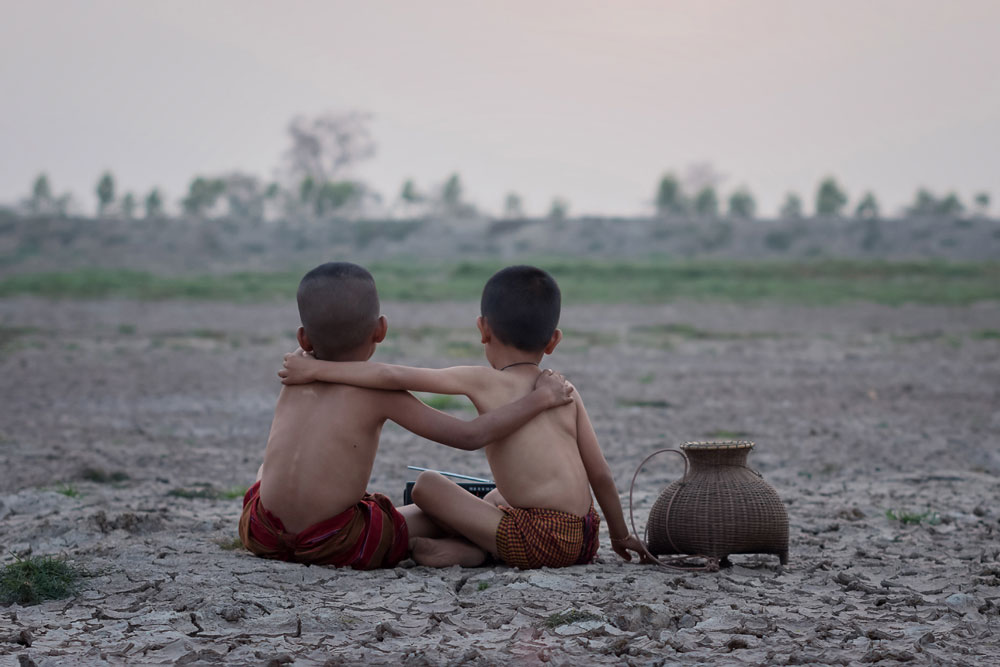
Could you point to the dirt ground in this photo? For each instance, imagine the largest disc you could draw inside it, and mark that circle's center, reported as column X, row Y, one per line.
column 129, row 430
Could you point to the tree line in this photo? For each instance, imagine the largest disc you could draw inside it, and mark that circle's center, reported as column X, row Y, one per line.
column 313, row 184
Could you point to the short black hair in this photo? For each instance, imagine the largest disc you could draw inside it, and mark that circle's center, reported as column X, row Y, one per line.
column 521, row 304
column 338, row 306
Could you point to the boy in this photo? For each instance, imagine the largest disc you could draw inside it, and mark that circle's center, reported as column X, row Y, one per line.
column 309, row 502
column 541, row 513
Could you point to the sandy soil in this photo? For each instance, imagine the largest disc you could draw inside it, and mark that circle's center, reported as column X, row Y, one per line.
column 115, row 413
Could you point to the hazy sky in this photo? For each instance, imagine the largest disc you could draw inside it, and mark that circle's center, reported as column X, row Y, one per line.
column 591, row 101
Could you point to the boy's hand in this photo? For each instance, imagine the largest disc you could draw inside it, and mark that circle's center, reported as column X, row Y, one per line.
column 299, row 368
column 624, row 545
column 557, row 390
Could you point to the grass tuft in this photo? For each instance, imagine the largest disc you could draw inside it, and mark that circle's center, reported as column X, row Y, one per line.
column 570, row 616
column 230, row 544
column 69, row 491
column 446, row 402
column 640, row 403
column 30, row 580
column 913, row 518
column 208, row 492
column 101, row 476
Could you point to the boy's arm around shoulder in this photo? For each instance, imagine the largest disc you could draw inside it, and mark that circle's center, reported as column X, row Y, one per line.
column 301, row 368
column 551, row 390
column 602, row 481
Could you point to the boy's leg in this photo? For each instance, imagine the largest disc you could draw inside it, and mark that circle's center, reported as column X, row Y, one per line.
column 418, row 523
column 494, row 498
column 458, row 510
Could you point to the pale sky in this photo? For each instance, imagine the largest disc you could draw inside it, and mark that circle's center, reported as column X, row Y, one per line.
column 589, row 101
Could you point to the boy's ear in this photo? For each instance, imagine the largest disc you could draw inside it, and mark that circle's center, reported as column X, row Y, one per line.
column 381, row 329
column 484, row 330
column 556, row 337
column 303, row 340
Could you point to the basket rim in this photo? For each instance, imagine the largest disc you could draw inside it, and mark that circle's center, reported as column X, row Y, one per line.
column 709, row 445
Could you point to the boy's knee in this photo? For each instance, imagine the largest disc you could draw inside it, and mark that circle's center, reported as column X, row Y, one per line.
column 425, row 482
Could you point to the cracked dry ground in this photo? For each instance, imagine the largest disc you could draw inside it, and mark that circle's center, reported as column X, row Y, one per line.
column 129, row 429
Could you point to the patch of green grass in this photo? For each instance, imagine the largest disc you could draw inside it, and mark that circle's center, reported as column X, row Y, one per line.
column 570, row 616
column 211, row 334
column 208, row 492
column 461, row 349
column 101, row 476
column 986, row 334
column 446, row 402
column 126, row 329
column 641, row 403
column 581, row 338
column 647, row 378
column 68, row 490
column 913, row 518
column 818, row 282
column 230, row 544
column 482, row 585
column 724, row 434
column 30, row 580
column 663, row 335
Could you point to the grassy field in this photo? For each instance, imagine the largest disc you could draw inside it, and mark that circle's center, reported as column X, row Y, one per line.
column 582, row 281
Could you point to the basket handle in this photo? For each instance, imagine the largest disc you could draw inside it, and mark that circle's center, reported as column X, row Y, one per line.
column 711, row 563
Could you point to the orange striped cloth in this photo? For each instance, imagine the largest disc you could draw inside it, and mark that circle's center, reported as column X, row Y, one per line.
column 532, row 538
column 369, row 535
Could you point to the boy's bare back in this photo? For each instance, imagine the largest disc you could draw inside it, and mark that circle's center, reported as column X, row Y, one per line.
column 540, row 464
column 320, row 452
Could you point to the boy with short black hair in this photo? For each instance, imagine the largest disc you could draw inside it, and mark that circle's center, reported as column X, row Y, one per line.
column 309, row 503
column 541, row 513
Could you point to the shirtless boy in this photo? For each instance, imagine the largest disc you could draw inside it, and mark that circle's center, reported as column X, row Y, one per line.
column 541, row 513
column 309, row 503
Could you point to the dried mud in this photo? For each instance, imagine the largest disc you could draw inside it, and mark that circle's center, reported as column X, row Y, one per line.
column 128, row 430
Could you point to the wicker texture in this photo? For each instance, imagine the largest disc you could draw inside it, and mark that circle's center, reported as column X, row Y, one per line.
column 720, row 507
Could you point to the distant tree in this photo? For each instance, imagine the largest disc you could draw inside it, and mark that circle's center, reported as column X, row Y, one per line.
column 451, row 194
column 706, row 203
column 410, row 197
column 830, row 198
column 325, row 146
column 670, row 197
column 245, row 196
column 982, row 201
column 867, row 208
column 203, row 194
column 105, row 192
column 409, row 193
column 333, row 196
column 742, row 204
column 41, row 190
column 559, row 209
column 924, row 203
column 951, row 205
column 792, row 208
column 128, row 206
column 41, row 201
column 154, row 204
column 513, row 207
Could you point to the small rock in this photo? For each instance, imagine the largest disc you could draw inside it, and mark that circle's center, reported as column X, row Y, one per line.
column 962, row 603
column 687, row 621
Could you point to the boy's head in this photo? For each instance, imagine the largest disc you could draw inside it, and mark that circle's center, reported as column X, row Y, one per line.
column 521, row 305
column 339, row 309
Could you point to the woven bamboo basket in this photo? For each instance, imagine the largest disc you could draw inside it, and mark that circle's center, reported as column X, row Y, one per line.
column 720, row 507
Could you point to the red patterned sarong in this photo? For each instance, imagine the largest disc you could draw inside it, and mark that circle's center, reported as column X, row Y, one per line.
column 369, row 535
column 532, row 538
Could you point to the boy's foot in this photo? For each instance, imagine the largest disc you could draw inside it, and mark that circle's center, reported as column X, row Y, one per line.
column 445, row 552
